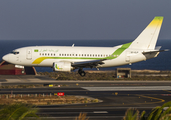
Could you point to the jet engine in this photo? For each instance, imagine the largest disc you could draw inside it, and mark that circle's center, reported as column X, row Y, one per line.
column 62, row 66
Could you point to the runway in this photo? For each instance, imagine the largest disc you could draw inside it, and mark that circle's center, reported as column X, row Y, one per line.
column 113, row 105
column 115, row 96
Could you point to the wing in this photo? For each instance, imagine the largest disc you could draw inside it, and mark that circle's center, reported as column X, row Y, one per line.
column 88, row 64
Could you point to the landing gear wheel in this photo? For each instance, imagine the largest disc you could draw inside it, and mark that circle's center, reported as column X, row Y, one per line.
column 81, row 72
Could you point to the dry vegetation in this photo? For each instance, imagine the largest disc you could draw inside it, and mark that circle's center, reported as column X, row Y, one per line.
column 82, row 116
column 110, row 75
column 43, row 99
column 21, row 86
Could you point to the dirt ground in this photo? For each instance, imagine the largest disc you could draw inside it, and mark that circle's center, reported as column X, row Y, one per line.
column 39, row 99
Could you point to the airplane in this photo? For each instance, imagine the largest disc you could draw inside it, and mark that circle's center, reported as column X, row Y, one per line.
column 68, row 58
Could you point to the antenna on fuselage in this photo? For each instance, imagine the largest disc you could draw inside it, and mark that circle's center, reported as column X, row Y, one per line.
column 73, row 45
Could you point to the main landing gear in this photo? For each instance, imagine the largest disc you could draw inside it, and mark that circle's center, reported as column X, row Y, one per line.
column 81, row 72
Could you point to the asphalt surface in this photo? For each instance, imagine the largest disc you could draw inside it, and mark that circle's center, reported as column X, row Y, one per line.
column 116, row 97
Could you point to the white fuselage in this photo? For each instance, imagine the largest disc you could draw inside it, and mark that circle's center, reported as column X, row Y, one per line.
column 63, row 58
column 46, row 55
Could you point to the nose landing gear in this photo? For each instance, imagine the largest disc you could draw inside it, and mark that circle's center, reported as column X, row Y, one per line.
column 81, row 72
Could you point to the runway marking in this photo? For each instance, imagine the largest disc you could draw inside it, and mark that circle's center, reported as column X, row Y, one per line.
column 96, row 112
column 113, row 108
column 100, row 112
column 22, row 79
column 153, row 98
column 74, row 117
column 167, row 91
column 141, row 96
column 134, row 88
column 13, row 80
column 160, row 101
column 34, row 79
column 166, row 94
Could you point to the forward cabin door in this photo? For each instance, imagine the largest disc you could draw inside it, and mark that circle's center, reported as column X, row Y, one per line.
column 28, row 54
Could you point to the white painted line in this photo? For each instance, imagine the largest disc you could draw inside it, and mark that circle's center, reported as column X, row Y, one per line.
column 113, row 108
column 34, row 79
column 166, row 94
column 134, row 88
column 13, row 80
column 100, row 112
column 66, row 81
column 70, row 112
column 74, row 117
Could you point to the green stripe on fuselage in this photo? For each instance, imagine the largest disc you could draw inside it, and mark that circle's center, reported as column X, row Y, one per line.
column 113, row 56
column 119, row 51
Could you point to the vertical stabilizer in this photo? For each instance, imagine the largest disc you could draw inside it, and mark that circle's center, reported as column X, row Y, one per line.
column 148, row 37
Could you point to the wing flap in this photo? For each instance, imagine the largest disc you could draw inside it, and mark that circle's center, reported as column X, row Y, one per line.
column 88, row 64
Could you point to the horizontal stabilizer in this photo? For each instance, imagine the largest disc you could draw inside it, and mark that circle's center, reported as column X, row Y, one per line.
column 155, row 51
column 158, row 47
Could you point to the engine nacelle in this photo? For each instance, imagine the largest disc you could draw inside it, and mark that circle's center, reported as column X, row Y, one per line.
column 62, row 66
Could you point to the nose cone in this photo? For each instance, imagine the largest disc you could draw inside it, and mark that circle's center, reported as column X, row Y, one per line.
column 5, row 58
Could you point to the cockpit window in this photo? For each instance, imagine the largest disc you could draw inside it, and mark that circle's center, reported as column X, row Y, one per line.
column 14, row 52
